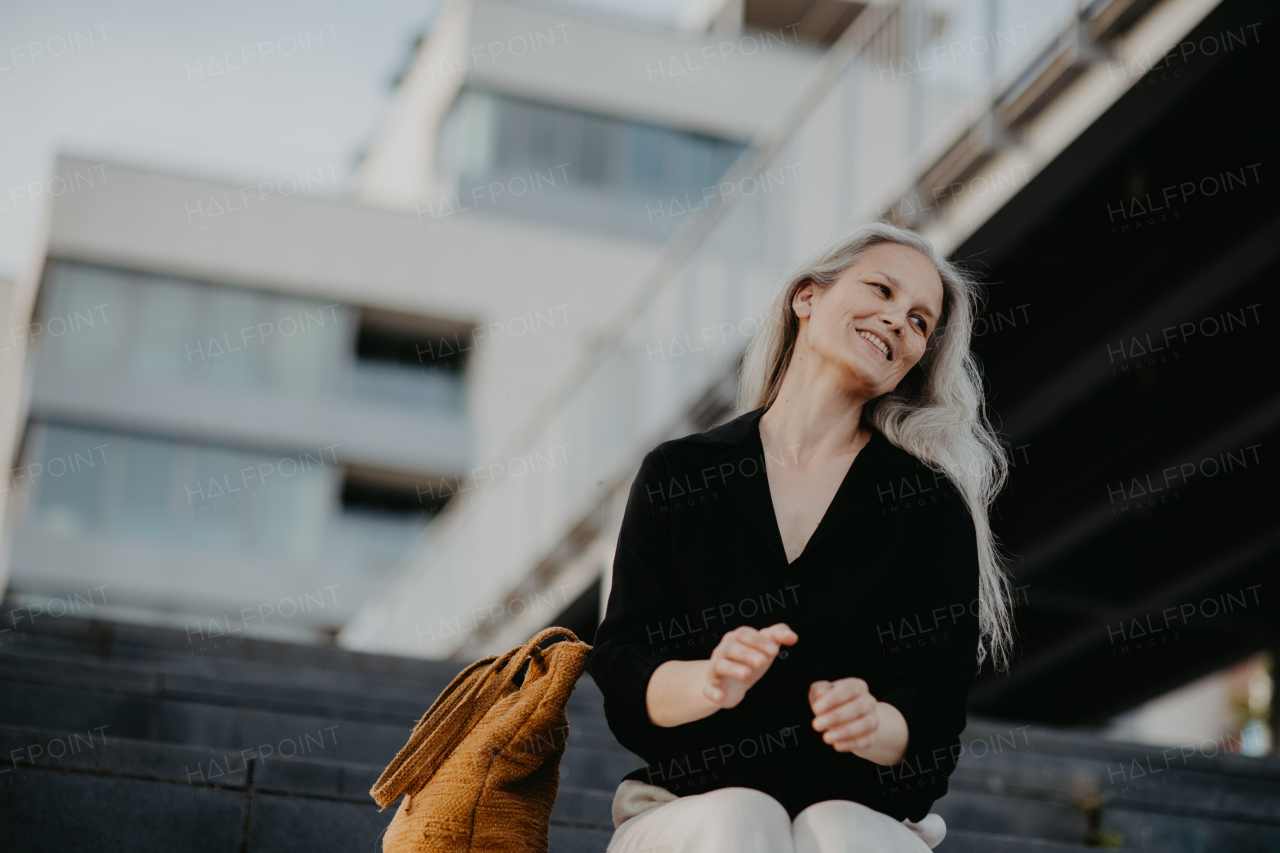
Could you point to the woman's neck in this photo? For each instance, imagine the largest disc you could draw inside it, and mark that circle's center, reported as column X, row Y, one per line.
column 814, row 428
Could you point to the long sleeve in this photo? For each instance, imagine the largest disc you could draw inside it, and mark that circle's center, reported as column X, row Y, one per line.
column 641, row 599
column 932, row 654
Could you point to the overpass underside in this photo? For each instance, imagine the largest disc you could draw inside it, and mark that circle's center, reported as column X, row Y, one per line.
column 1130, row 347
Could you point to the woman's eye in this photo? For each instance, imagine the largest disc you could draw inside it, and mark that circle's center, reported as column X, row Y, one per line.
column 883, row 287
column 921, row 324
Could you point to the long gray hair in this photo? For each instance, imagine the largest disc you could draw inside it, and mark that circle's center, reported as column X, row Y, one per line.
column 937, row 413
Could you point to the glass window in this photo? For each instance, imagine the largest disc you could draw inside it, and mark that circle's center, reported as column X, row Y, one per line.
column 308, row 345
column 296, row 504
column 67, row 471
column 514, row 129
column 423, row 387
column 410, row 362
column 468, row 143
column 172, row 336
column 597, row 144
column 725, row 154
column 645, row 176
column 540, row 146
column 158, row 490
column 604, row 152
column 242, row 327
column 87, row 314
column 571, row 132
column 217, row 498
column 145, row 508
column 175, row 329
column 703, row 171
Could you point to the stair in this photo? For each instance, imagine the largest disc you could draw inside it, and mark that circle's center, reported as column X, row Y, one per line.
column 119, row 737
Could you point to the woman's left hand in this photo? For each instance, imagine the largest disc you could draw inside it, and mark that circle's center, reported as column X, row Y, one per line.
column 852, row 720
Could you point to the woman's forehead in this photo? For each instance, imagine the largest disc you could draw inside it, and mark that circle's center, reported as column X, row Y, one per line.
column 905, row 269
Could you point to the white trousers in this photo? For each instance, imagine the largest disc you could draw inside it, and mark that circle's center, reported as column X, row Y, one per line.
column 650, row 819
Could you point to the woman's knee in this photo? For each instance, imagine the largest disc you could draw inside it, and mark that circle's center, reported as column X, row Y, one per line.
column 843, row 825
column 743, row 813
column 727, row 820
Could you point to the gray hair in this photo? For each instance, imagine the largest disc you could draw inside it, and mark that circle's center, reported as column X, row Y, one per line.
column 937, row 413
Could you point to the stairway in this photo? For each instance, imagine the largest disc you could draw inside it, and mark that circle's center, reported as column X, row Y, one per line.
column 117, row 737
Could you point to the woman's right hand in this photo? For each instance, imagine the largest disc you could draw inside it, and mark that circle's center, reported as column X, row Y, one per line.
column 741, row 658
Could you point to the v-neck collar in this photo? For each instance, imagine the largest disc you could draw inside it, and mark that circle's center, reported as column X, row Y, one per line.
column 752, row 498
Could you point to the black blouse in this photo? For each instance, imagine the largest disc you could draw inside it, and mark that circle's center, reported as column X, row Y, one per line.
column 885, row 590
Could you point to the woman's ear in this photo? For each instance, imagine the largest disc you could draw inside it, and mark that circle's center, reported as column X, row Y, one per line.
column 802, row 301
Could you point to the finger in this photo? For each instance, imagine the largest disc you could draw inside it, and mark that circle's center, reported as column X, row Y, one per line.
column 781, row 632
column 830, row 698
column 818, row 688
column 731, row 669
column 841, row 691
column 853, row 744
column 834, row 737
column 853, row 729
column 859, row 739
column 742, row 653
column 758, row 640
column 852, row 710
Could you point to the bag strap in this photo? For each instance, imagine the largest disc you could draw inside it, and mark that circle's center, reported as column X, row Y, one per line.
column 452, row 716
column 403, row 769
column 522, row 655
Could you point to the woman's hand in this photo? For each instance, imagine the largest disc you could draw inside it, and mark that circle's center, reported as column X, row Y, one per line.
column 741, row 658
column 852, row 720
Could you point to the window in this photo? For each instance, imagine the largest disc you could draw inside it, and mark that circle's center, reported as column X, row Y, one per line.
column 408, row 361
column 155, row 327
column 148, row 488
column 132, row 486
column 383, row 513
column 66, row 469
column 491, row 136
column 167, row 328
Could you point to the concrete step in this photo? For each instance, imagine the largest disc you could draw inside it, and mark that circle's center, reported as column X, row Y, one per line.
column 94, row 792
column 412, row 685
column 260, row 663
column 1013, row 815
column 595, row 773
column 1062, row 755
column 140, row 685
column 967, row 841
column 1191, row 792
column 1172, row 832
column 235, row 643
column 178, row 719
column 131, row 795
column 187, row 714
column 1122, row 759
column 231, row 715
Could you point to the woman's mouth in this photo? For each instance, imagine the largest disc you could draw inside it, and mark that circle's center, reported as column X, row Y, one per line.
column 878, row 344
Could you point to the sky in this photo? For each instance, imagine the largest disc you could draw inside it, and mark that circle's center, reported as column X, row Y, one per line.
column 241, row 90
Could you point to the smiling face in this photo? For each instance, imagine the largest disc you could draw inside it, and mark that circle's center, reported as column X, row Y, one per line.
column 874, row 321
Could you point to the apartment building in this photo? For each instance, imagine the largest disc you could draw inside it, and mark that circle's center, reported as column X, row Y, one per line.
column 239, row 406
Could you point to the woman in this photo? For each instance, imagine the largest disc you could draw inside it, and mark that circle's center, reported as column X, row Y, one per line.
column 799, row 595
